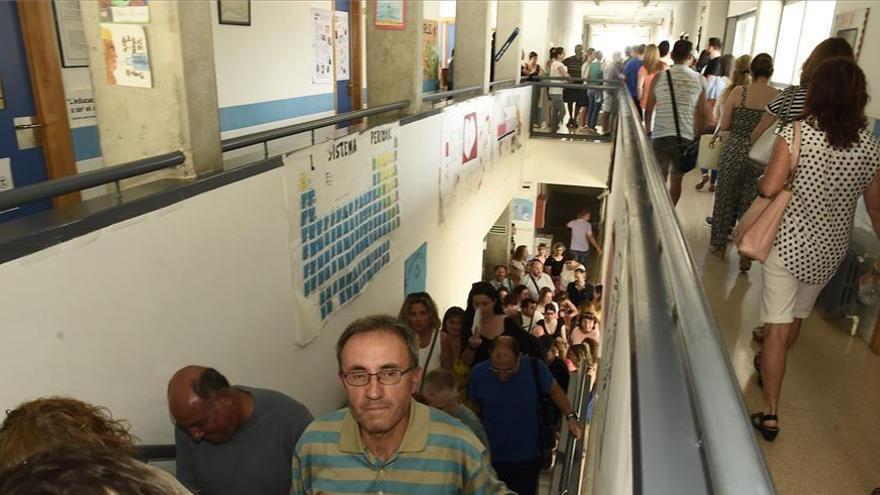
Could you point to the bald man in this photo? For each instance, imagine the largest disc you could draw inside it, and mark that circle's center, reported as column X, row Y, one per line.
column 232, row 439
column 506, row 391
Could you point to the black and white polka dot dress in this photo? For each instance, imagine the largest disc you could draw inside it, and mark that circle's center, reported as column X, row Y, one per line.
column 818, row 222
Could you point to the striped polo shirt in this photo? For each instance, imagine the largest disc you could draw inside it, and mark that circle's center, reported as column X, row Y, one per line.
column 438, row 455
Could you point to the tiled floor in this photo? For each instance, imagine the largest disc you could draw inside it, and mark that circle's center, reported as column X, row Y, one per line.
column 830, row 406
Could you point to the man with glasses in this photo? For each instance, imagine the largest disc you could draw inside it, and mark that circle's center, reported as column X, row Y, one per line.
column 232, row 439
column 507, row 391
column 384, row 441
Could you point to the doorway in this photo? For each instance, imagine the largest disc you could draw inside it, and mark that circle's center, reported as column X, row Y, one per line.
column 35, row 139
column 21, row 158
column 562, row 204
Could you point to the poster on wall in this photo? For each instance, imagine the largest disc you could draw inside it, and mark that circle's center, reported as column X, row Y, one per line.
column 508, row 123
column 126, row 58
column 522, row 209
column 343, row 217
column 71, row 34
column 389, row 14
column 340, row 45
column 322, row 47
column 415, row 271
column 467, row 151
column 851, row 27
column 80, row 107
column 6, row 175
column 125, row 11
column 430, row 54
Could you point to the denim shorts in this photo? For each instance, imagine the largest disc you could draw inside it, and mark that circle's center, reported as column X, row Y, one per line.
column 668, row 155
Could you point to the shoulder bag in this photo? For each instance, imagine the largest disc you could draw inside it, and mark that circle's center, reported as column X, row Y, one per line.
column 688, row 152
column 756, row 232
column 711, row 144
column 762, row 149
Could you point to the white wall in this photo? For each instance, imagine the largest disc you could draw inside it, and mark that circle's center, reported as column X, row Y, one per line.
column 739, row 7
column 533, row 29
column 108, row 317
column 269, row 60
column 867, row 59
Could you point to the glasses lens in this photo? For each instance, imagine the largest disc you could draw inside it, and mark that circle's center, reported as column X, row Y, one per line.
column 357, row 378
column 390, row 376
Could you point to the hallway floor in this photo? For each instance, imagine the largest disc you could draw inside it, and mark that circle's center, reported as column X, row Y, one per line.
column 830, row 407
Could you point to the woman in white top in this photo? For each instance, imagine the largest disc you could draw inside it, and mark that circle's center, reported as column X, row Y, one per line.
column 838, row 162
column 420, row 312
column 557, row 105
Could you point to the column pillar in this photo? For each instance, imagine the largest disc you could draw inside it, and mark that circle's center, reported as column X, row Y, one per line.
column 510, row 16
column 473, row 44
column 179, row 111
column 394, row 59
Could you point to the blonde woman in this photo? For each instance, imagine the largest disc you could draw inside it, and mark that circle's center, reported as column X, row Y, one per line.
column 652, row 66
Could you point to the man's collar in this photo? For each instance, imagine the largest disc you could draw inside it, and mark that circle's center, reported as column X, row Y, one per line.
column 414, row 440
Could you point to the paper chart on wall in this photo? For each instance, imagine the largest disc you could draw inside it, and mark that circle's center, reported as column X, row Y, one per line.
column 126, row 56
column 508, row 124
column 340, row 45
column 343, row 216
column 467, row 152
column 322, row 47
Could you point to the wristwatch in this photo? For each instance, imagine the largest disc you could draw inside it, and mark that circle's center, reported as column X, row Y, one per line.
column 572, row 415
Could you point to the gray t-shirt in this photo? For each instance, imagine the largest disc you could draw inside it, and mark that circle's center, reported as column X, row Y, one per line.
column 466, row 416
column 257, row 459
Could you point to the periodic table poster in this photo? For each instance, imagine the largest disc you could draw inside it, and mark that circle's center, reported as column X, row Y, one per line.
column 343, row 219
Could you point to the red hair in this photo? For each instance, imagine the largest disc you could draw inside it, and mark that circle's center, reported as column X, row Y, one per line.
column 836, row 99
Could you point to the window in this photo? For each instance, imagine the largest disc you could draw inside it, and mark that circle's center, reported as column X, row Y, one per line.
column 744, row 35
column 804, row 25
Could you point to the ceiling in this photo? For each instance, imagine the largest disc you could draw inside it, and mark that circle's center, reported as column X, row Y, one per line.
column 625, row 11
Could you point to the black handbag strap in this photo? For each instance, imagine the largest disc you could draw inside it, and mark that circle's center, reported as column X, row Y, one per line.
column 674, row 107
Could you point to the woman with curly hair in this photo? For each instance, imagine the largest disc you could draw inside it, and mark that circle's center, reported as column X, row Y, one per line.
column 40, row 428
column 53, row 422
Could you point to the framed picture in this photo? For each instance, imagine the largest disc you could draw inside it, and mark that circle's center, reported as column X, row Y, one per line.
column 235, row 12
column 851, row 27
column 71, row 34
column 389, row 14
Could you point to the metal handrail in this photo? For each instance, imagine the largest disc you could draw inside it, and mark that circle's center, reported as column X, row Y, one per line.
column 442, row 95
column 156, row 452
column 502, row 82
column 262, row 137
column 74, row 183
column 566, row 475
column 686, row 412
column 545, row 84
column 734, row 459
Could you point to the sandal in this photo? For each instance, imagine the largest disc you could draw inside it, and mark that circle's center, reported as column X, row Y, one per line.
column 768, row 432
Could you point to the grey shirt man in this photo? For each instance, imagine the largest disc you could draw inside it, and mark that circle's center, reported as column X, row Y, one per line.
column 256, row 459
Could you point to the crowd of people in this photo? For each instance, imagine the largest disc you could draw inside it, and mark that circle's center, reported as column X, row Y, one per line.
column 589, row 110
column 820, row 151
column 472, row 402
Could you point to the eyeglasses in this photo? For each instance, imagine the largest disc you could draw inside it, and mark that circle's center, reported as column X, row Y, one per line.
column 387, row 376
column 504, row 371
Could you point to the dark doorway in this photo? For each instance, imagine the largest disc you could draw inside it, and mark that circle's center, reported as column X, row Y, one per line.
column 563, row 204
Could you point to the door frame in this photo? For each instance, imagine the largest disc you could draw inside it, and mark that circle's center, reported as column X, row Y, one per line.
column 44, row 65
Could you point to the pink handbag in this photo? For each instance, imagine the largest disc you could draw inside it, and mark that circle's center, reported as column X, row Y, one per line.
column 756, row 232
